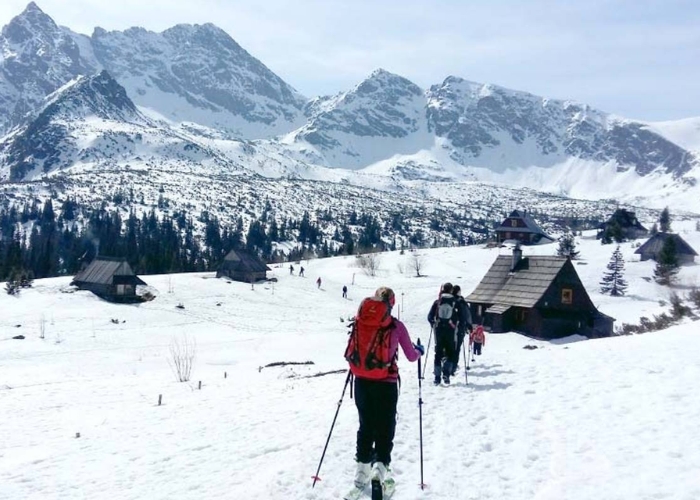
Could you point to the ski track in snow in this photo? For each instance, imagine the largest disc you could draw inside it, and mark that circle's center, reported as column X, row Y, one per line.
column 578, row 420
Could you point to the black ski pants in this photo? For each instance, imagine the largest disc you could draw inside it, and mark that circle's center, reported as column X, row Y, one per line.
column 376, row 406
column 477, row 348
column 444, row 348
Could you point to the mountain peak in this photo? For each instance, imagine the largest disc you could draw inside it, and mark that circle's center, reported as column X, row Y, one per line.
column 98, row 95
column 31, row 7
column 26, row 25
column 380, row 80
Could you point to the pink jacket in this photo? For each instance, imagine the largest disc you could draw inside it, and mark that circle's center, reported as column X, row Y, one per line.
column 478, row 336
column 400, row 336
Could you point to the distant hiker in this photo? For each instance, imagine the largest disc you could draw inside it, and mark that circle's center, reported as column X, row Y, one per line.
column 372, row 353
column 345, row 292
column 301, row 271
column 478, row 339
column 291, row 269
column 318, row 282
column 464, row 325
column 444, row 316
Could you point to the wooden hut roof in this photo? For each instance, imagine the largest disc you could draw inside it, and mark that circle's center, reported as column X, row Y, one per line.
column 238, row 260
column 531, row 225
column 654, row 244
column 103, row 270
column 625, row 219
column 523, row 288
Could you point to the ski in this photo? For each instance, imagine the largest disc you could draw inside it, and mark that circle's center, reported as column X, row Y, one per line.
column 354, row 494
column 377, row 490
column 383, row 491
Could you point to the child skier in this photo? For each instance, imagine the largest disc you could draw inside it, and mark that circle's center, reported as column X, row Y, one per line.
column 478, row 339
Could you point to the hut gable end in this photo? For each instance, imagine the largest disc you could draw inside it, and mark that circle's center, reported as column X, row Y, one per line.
column 520, row 226
column 242, row 266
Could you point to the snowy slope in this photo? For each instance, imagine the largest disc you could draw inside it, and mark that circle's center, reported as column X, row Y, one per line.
column 685, row 133
column 609, row 418
column 91, row 123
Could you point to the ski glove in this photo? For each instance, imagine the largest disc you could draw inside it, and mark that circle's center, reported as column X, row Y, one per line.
column 419, row 348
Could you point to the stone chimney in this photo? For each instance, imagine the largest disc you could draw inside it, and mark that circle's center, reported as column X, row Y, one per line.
column 517, row 256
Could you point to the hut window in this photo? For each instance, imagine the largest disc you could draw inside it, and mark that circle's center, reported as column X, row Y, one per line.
column 120, row 289
column 507, row 235
column 514, row 222
column 567, row 296
column 478, row 311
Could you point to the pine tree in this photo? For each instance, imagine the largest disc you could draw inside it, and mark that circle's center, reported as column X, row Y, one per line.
column 567, row 246
column 667, row 266
column 665, row 221
column 613, row 281
column 654, row 229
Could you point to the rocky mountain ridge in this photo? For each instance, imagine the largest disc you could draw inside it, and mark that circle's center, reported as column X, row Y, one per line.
column 192, row 94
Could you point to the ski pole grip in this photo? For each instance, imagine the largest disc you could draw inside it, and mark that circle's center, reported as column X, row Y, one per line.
column 418, row 341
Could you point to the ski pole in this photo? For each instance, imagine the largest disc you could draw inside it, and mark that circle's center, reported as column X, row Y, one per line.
column 420, row 420
column 470, row 351
column 427, row 351
column 347, row 381
column 466, row 363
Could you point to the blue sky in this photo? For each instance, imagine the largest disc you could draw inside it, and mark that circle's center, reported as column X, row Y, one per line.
column 638, row 59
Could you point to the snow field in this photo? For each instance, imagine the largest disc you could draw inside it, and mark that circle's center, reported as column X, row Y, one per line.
column 608, row 418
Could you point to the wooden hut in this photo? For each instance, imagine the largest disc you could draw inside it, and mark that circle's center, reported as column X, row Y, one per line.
column 239, row 265
column 521, row 227
column 110, row 278
column 630, row 227
column 540, row 296
column 651, row 249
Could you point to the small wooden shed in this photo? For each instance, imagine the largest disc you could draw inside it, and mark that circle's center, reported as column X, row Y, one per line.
column 239, row 265
column 630, row 227
column 652, row 247
column 111, row 278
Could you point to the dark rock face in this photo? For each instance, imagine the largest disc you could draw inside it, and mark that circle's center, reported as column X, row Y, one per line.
column 47, row 139
column 39, row 57
column 477, row 118
column 201, row 65
column 208, row 77
column 384, row 105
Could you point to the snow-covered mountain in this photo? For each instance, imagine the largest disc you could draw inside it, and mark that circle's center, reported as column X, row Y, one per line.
column 199, row 74
column 91, row 122
column 194, row 88
column 479, row 125
column 685, row 133
column 36, row 58
column 188, row 73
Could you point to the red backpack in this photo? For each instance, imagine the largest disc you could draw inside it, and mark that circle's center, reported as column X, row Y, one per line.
column 370, row 338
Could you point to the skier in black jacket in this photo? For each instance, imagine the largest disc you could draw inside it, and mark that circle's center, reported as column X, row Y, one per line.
column 444, row 317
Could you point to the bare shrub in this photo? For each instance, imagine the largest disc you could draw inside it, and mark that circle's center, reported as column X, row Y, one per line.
column 182, row 355
column 417, row 263
column 369, row 263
